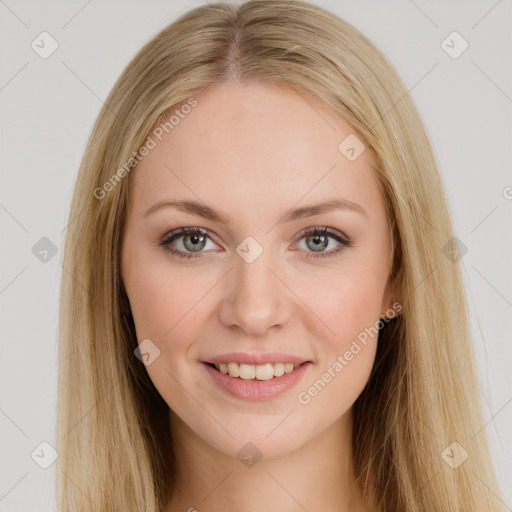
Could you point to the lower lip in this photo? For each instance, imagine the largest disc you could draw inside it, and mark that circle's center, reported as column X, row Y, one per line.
column 257, row 389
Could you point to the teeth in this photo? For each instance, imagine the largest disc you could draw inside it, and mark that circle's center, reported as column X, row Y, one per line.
column 233, row 369
column 247, row 371
column 278, row 369
column 259, row 372
column 264, row 372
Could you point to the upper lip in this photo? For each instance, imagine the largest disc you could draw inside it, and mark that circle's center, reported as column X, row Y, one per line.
column 257, row 359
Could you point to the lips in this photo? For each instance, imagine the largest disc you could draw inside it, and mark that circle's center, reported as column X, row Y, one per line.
column 254, row 388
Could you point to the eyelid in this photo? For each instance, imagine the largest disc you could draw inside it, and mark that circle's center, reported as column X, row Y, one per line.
column 322, row 230
column 306, row 231
column 181, row 231
column 174, row 234
column 343, row 241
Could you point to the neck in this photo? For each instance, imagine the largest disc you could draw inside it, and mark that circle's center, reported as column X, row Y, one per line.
column 317, row 475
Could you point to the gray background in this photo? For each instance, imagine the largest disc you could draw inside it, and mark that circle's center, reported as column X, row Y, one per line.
column 47, row 110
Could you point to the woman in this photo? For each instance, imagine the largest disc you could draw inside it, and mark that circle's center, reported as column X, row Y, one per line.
column 258, row 310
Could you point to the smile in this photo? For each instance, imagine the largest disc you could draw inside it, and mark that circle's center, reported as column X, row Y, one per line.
column 256, row 382
column 258, row 372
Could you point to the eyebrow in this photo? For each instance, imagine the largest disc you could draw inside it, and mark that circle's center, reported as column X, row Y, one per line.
column 202, row 210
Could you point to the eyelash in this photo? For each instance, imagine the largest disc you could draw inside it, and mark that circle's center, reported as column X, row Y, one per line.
column 178, row 233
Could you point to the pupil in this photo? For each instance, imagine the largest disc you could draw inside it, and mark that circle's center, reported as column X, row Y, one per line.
column 195, row 241
column 316, row 239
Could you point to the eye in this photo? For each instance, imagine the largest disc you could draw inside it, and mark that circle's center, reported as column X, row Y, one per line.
column 193, row 241
column 317, row 239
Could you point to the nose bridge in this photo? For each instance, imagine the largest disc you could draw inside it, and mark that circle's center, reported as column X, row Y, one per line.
column 256, row 299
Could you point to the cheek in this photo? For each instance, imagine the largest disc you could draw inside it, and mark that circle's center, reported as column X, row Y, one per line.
column 154, row 304
column 156, row 296
column 347, row 302
column 166, row 308
column 167, row 303
column 336, row 386
column 349, row 306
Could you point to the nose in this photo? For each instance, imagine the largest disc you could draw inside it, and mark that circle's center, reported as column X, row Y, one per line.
column 256, row 298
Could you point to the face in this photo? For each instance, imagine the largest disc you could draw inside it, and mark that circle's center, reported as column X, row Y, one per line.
column 241, row 274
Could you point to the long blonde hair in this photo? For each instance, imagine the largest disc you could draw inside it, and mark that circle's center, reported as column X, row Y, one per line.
column 114, row 444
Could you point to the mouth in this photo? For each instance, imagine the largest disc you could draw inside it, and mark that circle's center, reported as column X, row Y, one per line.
column 241, row 371
column 256, row 382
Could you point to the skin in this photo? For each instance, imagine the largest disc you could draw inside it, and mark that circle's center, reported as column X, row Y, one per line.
column 251, row 152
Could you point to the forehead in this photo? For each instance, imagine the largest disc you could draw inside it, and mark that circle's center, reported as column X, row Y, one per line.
column 253, row 144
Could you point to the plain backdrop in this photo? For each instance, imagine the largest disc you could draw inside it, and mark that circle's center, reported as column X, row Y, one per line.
column 48, row 106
